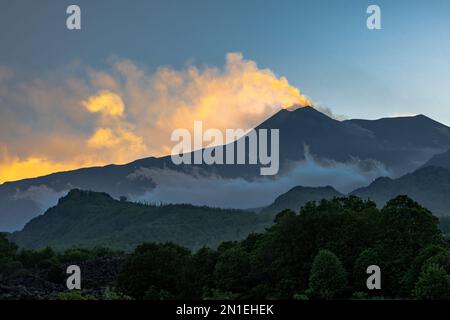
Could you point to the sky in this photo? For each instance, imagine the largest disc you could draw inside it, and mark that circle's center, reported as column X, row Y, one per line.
column 113, row 91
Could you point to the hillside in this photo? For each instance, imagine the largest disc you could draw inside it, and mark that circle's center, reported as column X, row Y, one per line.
column 89, row 219
column 440, row 160
column 430, row 186
column 297, row 197
column 341, row 236
column 394, row 145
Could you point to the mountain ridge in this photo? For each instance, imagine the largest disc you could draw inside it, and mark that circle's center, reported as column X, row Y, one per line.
column 429, row 186
column 326, row 138
column 88, row 219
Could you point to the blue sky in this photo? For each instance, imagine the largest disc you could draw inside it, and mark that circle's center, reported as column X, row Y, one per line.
column 322, row 47
column 119, row 87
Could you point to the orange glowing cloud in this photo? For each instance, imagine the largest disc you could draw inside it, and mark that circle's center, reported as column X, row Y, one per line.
column 64, row 121
column 14, row 168
column 105, row 102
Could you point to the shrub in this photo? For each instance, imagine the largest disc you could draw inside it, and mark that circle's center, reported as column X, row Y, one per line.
column 75, row 295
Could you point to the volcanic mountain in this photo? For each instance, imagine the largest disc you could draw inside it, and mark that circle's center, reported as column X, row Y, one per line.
column 398, row 145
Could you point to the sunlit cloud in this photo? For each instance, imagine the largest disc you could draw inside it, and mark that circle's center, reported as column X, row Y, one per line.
column 105, row 102
column 80, row 116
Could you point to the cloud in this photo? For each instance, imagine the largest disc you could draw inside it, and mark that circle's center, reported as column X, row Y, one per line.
column 42, row 195
column 178, row 187
column 79, row 116
column 105, row 102
column 5, row 73
column 12, row 167
column 403, row 114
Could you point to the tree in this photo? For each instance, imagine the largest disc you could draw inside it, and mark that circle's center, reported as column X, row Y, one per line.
column 408, row 228
column 328, row 276
column 156, row 271
column 412, row 276
column 204, row 262
column 367, row 258
column 433, row 284
column 442, row 259
column 7, row 248
column 232, row 269
column 8, row 251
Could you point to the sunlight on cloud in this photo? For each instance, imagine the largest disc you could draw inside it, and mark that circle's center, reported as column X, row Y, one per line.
column 13, row 168
column 80, row 116
column 105, row 102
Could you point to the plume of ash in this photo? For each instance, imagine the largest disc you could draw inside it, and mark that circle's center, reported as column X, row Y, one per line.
column 178, row 187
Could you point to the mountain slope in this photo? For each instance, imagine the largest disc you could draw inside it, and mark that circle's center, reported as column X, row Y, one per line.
column 440, row 160
column 419, row 131
column 298, row 196
column 430, row 186
column 408, row 141
column 400, row 151
column 88, row 219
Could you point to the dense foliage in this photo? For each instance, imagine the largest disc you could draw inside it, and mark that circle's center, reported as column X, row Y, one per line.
column 322, row 252
column 88, row 219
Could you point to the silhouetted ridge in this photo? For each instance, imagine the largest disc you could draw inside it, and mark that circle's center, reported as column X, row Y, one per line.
column 85, row 196
column 298, row 196
column 399, row 145
column 429, row 186
column 90, row 219
column 440, row 160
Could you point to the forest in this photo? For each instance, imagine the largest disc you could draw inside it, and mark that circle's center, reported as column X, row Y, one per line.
column 321, row 252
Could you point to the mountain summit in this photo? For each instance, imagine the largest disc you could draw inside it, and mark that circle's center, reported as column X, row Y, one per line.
column 400, row 145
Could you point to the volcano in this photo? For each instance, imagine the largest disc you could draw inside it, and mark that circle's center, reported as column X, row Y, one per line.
column 400, row 145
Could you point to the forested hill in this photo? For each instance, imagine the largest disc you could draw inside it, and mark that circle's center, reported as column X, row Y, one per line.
column 429, row 186
column 298, row 196
column 321, row 253
column 88, row 219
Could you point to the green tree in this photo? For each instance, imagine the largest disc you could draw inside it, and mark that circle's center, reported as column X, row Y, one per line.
column 367, row 258
column 156, row 271
column 8, row 265
column 433, row 284
column 232, row 269
column 8, row 251
column 407, row 228
column 33, row 258
column 412, row 276
column 204, row 262
column 328, row 276
column 7, row 248
column 442, row 259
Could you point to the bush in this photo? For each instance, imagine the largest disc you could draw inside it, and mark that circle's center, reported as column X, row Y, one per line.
column 360, row 295
column 32, row 258
column 75, row 295
column 112, row 294
column 9, row 266
column 76, row 255
column 300, row 296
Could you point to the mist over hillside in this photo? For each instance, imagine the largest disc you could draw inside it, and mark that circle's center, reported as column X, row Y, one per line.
column 315, row 150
